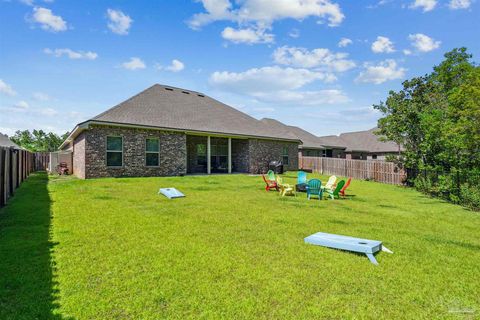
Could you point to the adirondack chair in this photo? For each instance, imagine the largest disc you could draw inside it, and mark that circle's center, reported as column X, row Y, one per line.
column 270, row 184
column 335, row 193
column 330, row 183
column 270, row 175
column 342, row 192
column 301, row 181
column 285, row 188
column 314, row 188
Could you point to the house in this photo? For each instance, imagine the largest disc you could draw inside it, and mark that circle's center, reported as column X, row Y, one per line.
column 6, row 142
column 168, row 131
column 312, row 146
column 366, row 145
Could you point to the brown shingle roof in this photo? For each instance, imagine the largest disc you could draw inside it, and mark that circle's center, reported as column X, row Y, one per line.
column 6, row 142
column 367, row 141
column 175, row 108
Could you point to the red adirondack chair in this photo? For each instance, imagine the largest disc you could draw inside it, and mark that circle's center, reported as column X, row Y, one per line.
column 342, row 192
column 270, row 184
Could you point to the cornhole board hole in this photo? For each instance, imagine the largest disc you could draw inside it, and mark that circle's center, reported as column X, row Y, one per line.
column 369, row 247
column 171, row 193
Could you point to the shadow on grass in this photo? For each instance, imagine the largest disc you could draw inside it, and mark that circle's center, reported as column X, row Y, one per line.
column 27, row 286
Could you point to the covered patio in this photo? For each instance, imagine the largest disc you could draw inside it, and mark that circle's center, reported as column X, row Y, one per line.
column 215, row 154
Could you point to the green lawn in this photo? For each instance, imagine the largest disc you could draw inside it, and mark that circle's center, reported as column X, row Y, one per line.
column 114, row 249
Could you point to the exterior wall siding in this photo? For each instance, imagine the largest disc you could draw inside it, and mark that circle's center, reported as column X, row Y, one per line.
column 78, row 148
column 173, row 153
column 261, row 152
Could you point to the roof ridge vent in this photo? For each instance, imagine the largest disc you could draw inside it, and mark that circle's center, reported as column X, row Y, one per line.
column 186, row 92
column 200, row 95
column 169, row 89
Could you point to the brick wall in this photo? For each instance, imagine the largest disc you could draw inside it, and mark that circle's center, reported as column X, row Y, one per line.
column 79, row 156
column 173, row 153
column 261, row 152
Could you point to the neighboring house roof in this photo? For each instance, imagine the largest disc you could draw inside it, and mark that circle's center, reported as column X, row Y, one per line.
column 367, row 141
column 6, row 142
column 308, row 140
column 175, row 108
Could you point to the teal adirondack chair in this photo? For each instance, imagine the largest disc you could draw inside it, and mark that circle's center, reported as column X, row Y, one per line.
column 314, row 188
column 335, row 193
column 301, row 177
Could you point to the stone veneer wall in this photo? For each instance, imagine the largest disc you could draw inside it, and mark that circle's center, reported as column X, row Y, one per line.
column 261, row 152
column 79, row 156
column 173, row 153
column 240, row 155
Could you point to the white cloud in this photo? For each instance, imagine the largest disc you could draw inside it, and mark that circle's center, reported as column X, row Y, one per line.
column 278, row 85
column 247, row 35
column 176, row 66
column 47, row 20
column 259, row 15
column 459, row 4
column 49, row 112
column 134, row 64
column 423, row 43
column 87, row 55
column 383, row 45
column 22, row 105
column 119, row 22
column 344, row 42
column 40, row 96
column 407, row 52
column 381, row 72
column 294, row 33
column 425, row 5
column 7, row 89
column 305, row 98
column 265, row 79
column 316, row 58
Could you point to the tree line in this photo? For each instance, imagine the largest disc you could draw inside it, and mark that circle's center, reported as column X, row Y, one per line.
column 38, row 140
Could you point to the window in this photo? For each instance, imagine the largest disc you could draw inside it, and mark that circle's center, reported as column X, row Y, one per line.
column 285, row 155
column 201, row 154
column 114, row 151
column 152, row 152
column 374, row 156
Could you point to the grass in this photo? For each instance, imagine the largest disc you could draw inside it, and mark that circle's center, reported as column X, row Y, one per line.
column 113, row 248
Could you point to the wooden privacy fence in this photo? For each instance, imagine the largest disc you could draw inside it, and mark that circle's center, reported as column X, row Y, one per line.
column 15, row 167
column 41, row 161
column 380, row 171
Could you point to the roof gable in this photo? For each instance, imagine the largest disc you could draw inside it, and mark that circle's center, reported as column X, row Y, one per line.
column 176, row 108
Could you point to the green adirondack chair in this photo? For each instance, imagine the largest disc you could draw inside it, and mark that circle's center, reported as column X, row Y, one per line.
column 271, row 175
column 335, row 193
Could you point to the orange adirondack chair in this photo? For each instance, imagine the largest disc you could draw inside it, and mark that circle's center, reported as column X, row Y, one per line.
column 342, row 192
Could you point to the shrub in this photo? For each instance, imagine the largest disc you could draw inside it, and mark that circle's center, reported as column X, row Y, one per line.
column 470, row 196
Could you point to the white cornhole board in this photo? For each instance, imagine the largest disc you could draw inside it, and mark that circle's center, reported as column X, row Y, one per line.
column 171, row 193
column 369, row 247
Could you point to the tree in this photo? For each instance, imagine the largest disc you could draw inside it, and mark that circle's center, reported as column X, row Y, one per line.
column 436, row 118
column 38, row 140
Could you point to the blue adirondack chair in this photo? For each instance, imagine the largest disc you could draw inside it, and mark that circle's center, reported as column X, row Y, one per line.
column 314, row 188
column 301, row 177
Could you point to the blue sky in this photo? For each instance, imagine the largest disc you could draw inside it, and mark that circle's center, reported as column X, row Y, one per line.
column 317, row 64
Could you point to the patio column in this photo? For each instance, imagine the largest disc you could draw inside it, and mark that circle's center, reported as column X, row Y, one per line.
column 229, row 155
column 209, row 160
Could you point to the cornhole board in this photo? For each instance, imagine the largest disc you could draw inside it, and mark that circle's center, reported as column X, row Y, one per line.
column 369, row 247
column 171, row 193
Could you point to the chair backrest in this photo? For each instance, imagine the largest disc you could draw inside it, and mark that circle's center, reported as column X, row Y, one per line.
column 314, row 184
column 331, row 181
column 279, row 180
column 339, row 187
column 270, row 175
column 346, row 185
column 301, row 177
